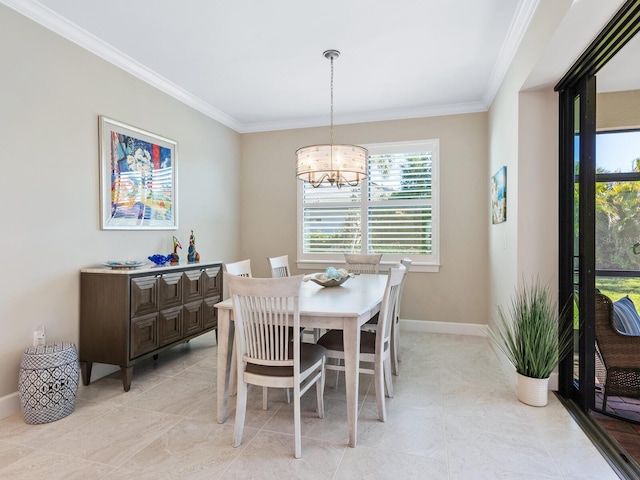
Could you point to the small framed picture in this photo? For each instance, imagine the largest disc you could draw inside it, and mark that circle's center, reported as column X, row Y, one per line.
column 138, row 178
column 499, row 196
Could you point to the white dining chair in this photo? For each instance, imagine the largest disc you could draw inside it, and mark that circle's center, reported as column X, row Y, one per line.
column 266, row 311
column 374, row 347
column 241, row 268
column 362, row 263
column 279, row 266
column 372, row 324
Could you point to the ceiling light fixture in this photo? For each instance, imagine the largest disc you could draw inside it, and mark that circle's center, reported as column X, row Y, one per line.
column 336, row 164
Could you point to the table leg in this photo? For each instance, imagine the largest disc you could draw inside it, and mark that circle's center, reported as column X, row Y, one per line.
column 225, row 341
column 351, row 334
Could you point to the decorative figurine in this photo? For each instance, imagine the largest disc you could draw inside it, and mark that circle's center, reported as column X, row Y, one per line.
column 192, row 255
column 175, row 258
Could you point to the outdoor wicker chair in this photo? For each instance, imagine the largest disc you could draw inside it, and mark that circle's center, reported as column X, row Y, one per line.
column 620, row 354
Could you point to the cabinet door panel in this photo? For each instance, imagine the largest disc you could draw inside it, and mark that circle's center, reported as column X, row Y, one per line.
column 212, row 281
column 210, row 319
column 144, row 334
column 170, row 325
column 193, row 286
column 193, row 318
column 144, row 296
column 170, row 290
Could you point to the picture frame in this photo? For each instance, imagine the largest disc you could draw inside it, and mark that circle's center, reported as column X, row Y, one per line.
column 499, row 196
column 138, row 178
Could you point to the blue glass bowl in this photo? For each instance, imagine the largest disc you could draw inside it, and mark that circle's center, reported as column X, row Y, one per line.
column 159, row 259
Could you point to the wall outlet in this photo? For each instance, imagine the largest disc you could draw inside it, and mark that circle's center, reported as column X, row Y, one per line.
column 39, row 336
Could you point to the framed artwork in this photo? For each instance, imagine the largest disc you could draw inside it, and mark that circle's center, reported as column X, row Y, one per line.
column 499, row 196
column 138, row 178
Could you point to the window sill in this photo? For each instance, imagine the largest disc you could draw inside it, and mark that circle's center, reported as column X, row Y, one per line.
column 384, row 266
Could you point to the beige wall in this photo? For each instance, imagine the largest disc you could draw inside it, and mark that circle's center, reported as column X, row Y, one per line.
column 51, row 94
column 618, row 110
column 458, row 293
column 523, row 135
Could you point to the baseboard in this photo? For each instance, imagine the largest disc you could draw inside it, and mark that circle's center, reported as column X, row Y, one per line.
column 9, row 404
column 445, row 327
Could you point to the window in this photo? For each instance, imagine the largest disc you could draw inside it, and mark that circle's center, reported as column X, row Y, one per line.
column 394, row 212
column 617, row 200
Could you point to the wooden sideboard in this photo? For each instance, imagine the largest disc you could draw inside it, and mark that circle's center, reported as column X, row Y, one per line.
column 129, row 315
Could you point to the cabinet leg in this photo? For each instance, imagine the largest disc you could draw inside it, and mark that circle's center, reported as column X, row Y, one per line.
column 127, row 374
column 155, row 357
column 85, row 368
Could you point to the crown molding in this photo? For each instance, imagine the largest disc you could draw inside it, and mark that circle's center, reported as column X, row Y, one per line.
column 44, row 16
column 524, row 15
column 367, row 117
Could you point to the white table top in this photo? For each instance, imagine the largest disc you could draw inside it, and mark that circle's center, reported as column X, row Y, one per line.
column 354, row 298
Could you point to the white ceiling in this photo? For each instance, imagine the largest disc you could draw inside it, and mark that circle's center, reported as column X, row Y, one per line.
column 257, row 65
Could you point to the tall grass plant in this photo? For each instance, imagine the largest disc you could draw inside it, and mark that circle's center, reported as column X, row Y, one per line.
column 529, row 332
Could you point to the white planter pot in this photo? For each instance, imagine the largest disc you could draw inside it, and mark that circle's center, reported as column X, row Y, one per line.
column 533, row 391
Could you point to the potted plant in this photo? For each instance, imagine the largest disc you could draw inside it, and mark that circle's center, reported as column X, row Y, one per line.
column 531, row 336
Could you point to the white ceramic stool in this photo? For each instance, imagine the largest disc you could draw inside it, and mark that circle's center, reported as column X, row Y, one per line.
column 48, row 382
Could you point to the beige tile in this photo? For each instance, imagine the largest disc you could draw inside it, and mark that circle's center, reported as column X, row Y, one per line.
column 42, row 464
column 380, row 463
column 115, row 438
column 454, row 415
column 190, row 449
column 271, row 456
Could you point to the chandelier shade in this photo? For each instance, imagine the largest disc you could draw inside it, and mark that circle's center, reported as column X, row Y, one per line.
column 335, row 164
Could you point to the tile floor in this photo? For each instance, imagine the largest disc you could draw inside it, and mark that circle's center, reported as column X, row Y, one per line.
column 454, row 416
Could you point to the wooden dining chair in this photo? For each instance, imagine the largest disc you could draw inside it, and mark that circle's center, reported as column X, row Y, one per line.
column 241, row 268
column 279, row 266
column 266, row 311
column 362, row 263
column 374, row 347
column 372, row 324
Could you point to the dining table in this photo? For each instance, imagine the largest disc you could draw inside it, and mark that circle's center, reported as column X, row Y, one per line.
column 346, row 307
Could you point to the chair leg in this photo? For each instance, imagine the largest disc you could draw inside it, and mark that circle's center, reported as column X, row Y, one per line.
column 379, row 382
column 265, row 398
column 388, row 381
column 241, row 409
column 287, row 395
column 297, row 430
column 395, row 368
column 233, row 373
column 320, row 392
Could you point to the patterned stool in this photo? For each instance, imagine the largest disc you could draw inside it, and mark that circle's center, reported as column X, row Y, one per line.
column 48, row 382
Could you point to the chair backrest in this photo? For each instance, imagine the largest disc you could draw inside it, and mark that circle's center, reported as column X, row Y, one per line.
column 239, row 269
column 263, row 311
column 279, row 266
column 617, row 350
column 362, row 263
column 389, row 306
column 407, row 264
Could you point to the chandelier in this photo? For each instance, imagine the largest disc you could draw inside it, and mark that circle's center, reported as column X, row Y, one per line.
column 335, row 164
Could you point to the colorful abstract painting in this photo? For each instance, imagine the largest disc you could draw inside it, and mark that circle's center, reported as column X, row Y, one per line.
column 138, row 172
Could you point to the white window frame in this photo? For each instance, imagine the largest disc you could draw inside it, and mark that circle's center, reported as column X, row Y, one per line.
column 420, row 263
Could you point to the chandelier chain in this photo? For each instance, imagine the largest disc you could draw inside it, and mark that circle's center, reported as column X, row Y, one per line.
column 331, row 128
